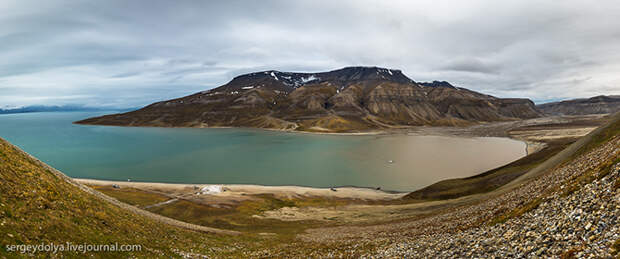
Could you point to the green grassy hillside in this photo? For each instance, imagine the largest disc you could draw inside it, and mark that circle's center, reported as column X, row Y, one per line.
column 39, row 205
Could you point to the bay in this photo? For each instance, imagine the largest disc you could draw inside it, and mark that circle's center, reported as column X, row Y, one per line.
column 250, row 156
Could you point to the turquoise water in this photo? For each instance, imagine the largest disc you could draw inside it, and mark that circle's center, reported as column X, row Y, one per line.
column 246, row 156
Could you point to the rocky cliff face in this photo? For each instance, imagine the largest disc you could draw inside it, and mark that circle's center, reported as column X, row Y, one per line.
column 595, row 105
column 348, row 99
column 468, row 105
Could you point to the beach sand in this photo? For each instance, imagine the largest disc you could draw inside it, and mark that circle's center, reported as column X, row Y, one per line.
column 235, row 192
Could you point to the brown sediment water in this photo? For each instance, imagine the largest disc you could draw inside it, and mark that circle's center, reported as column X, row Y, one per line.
column 413, row 162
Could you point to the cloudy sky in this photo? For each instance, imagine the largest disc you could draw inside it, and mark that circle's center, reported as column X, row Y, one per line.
column 131, row 53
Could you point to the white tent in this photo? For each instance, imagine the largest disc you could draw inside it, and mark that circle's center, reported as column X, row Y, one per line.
column 211, row 189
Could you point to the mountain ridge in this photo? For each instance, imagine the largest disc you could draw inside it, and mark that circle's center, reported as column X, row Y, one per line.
column 342, row 100
column 600, row 104
column 297, row 79
column 49, row 108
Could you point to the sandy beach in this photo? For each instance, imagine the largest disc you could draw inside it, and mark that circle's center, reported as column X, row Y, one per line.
column 236, row 192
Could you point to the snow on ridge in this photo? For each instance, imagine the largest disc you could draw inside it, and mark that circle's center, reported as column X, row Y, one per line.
column 308, row 79
column 274, row 75
column 384, row 70
column 11, row 107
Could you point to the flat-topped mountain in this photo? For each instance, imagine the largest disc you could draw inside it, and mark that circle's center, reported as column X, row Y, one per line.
column 289, row 81
column 348, row 99
column 601, row 104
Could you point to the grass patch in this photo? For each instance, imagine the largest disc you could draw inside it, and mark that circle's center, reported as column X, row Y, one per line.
column 132, row 196
column 615, row 249
column 571, row 253
column 597, row 173
column 532, row 205
column 239, row 218
column 608, row 132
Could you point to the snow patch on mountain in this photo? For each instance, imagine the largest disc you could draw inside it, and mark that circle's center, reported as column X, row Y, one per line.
column 309, row 79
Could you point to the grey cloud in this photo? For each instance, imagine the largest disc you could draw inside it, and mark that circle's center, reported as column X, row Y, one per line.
column 131, row 53
column 471, row 64
column 125, row 74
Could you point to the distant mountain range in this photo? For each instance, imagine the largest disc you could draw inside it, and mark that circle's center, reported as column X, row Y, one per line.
column 45, row 108
column 348, row 99
column 596, row 105
column 59, row 108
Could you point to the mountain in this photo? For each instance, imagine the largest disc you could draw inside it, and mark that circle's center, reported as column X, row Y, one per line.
column 458, row 102
column 596, row 105
column 347, row 99
column 45, row 108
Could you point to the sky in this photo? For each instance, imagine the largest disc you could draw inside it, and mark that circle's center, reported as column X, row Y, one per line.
column 131, row 53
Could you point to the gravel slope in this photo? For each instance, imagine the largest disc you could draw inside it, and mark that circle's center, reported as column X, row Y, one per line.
column 549, row 224
column 584, row 223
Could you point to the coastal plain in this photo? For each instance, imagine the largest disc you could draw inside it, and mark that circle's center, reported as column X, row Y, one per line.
column 544, row 137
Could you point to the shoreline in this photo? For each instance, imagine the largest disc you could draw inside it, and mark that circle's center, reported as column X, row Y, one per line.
column 238, row 190
column 489, row 130
column 482, row 130
column 456, row 132
column 360, row 133
column 364, row 192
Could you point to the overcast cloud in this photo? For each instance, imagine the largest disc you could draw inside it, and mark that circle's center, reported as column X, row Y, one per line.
column 131, row 53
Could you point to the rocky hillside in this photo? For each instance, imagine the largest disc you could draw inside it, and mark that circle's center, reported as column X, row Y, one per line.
column 566, row 207
column 348, row 99
column 570, row 212
column 596, row 105
column 461, row 103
